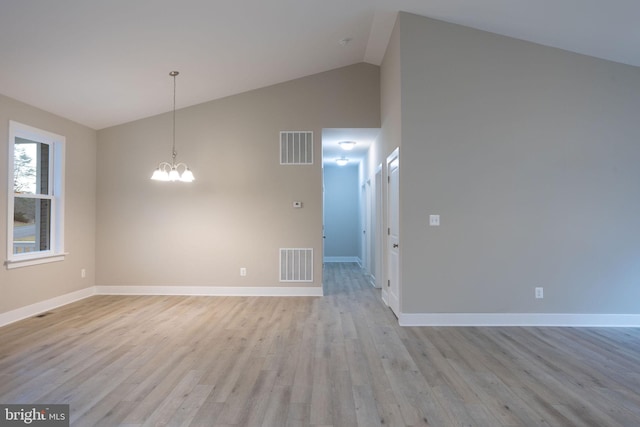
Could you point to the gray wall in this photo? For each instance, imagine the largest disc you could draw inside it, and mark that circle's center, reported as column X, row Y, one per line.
column 28, row 285
column 341, row 211
column 238, row 211
column 530, row 155
column 390, row 135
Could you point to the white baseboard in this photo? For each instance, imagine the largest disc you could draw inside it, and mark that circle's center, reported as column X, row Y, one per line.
column 519, row 319
column 239, row 291
column 405, row 319
column 43, row 306
column 342, row 259
column 47, row 305
column 385, row 299
column 372, row 280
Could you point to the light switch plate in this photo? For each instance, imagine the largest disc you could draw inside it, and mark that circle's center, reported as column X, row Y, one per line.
column 434, row 220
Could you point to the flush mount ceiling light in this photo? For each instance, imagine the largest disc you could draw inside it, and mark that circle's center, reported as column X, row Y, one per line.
column 170, row 171
column 342, row 161
column 347, row 145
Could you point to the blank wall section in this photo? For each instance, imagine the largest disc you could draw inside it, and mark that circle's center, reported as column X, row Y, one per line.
column 530, row 156
column 238, row 212
column 341, row 210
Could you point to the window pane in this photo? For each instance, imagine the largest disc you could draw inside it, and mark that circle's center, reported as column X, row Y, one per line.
column 31, row 225
column 30, row 167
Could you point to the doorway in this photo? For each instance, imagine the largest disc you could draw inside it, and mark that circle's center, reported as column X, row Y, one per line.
column 346, row 185
column 391, row 294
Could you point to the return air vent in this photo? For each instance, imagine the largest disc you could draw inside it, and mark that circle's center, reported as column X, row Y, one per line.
column 296, row 148
column 296, row 264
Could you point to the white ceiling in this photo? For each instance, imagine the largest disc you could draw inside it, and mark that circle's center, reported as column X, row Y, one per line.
column 331, row 149
column 103, row 63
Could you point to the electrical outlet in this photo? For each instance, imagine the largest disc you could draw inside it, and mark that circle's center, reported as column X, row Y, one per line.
column 83, row 273
column 539, row 293
column 243, row 271
column 434, row 220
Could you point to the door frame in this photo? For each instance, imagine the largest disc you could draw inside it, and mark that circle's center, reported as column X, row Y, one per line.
column 392, row 237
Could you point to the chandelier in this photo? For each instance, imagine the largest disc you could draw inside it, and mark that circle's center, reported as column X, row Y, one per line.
column 171, row 171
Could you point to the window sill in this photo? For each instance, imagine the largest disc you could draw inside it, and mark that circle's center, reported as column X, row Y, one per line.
column 35, row 260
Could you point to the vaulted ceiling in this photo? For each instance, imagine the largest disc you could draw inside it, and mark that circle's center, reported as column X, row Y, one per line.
column 103, row 63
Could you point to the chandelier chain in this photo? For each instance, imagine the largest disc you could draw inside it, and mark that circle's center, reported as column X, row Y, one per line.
column 173, row 151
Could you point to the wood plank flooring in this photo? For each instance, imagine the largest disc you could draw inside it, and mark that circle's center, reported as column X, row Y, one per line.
column 340, row 361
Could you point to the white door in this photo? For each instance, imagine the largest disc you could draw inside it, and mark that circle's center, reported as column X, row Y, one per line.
column 379, row 227
column 363, row 228
column 371, row 234
column 393, row 232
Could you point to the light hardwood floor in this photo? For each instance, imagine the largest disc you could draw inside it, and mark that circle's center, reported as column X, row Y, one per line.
column 340, row 360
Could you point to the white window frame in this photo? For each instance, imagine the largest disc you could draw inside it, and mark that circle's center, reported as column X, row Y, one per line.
column 56, row 181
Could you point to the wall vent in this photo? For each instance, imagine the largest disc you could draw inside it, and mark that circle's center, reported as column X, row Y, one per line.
column 296, row 264
column 296, row 148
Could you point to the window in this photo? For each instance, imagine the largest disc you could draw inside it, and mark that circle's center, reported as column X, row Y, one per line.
column 36, row 183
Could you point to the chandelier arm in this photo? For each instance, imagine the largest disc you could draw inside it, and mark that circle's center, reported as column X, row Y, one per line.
column 165, row 166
